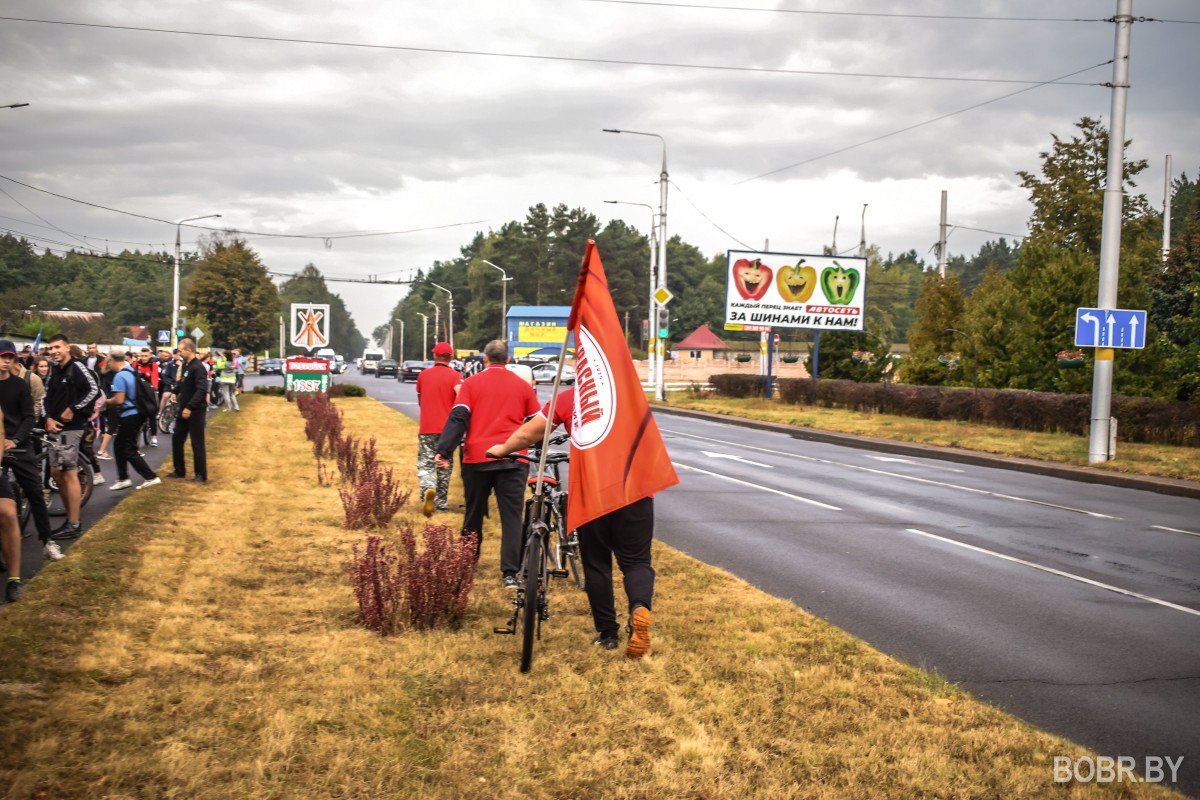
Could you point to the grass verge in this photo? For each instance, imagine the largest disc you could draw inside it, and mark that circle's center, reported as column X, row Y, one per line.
column 1164, row 461
column 200, row 643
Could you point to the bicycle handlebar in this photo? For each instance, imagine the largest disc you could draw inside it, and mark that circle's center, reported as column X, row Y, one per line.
column 552, row 458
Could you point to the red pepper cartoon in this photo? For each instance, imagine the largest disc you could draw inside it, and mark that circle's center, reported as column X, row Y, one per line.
column 752, row 278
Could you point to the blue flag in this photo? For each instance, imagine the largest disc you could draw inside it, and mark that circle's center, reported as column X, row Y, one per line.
column 37, row 341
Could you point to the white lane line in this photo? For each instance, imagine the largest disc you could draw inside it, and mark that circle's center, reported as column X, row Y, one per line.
column 895, row 475
column 736, row 458
column 757, row 486
column 916, row 463
column 1175, row 530
column 1058, row 572
column 399, row 403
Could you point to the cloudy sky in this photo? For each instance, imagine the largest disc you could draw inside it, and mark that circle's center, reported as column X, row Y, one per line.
column 295, row 138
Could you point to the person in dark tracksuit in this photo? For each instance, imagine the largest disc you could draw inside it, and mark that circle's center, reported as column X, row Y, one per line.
column 192, row 396
column 16, row 401
column 489, row 407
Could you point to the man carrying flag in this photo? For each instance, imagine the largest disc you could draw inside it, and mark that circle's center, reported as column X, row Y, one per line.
column 618, row 461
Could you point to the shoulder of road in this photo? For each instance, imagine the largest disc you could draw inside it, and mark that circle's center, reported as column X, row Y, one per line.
column 1171, row 486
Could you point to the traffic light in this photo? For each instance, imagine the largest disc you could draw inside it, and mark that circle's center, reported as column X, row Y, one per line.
column 664, row 323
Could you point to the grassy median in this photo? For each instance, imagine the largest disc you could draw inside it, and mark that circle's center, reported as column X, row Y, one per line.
column 200, row 642
column 1162, row 460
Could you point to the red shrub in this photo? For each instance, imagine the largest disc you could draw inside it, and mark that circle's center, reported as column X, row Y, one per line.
column 375, row 496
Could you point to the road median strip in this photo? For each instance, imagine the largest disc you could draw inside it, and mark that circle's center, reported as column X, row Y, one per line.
column 201, row 642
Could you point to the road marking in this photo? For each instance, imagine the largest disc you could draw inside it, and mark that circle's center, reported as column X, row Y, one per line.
column 1175, row 530
column 399, row 402
column 1058, row 572
column 736, row 458
column 757, row 486
column 895, row 475
column 907, row 461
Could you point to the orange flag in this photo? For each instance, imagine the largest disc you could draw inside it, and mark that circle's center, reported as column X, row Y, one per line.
column 617, row 454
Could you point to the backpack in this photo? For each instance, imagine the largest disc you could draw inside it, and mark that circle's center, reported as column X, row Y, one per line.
column 145, row 401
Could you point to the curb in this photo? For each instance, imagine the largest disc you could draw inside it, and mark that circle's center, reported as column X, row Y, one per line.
column 1169, row 486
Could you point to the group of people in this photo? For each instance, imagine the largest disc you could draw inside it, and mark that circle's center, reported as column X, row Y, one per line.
column 491, row 414
column 76, row 396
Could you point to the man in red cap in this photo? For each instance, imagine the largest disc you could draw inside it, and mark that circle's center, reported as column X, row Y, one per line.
column 436, row 389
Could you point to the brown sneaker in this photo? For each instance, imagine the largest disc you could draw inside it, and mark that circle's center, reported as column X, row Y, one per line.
column 430, row 496
column 639, row 639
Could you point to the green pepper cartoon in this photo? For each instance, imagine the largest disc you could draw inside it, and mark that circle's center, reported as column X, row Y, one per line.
column 839, row 284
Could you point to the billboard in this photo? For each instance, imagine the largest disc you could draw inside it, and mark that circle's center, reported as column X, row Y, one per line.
column 793, row 290
column 538, row 331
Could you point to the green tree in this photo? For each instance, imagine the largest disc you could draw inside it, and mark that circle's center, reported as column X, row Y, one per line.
column 939, row 308
column 996, row 322
column 1175, row 310
column 232, row 290
column 837, row 356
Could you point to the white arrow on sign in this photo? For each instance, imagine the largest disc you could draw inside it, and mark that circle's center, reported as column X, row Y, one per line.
column 735, row 458
column 1111, row 321
column 1095, row 326
column 1133, row 323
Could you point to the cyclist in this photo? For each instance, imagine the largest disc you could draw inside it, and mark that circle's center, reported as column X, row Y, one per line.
column 625, row 533
column 168, row 370
column 16, row 402
column 70, row 402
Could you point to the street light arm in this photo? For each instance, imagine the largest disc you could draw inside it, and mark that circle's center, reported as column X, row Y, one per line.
column 644, row 133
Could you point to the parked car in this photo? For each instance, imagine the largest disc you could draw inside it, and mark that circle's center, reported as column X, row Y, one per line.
column 412, row 369
column 339, row 365
column 544, row 373
column 387, row 366
column 271, row 366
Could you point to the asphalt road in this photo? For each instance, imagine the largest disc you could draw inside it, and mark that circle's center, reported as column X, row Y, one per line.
column 1073, row 606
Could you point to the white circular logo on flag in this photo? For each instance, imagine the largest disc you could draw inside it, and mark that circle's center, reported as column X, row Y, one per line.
column 595, row 395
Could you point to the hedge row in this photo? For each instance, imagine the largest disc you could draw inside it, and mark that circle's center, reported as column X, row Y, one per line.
column 1139, row 419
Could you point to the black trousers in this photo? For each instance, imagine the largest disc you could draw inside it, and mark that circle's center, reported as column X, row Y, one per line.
column 625, row 533
column 508, row 484
column 26, row 474
column 190, row 428
column 126, row 446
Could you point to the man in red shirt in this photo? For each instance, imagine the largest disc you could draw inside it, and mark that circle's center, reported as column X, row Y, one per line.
column 625, row 533
column 490, row 406
column 436, row 390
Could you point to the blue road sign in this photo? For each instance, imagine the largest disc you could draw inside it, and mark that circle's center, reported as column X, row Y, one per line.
column 164, row 337
column 1110, row 327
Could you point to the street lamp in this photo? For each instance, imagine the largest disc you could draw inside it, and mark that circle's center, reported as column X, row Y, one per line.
column 175, row 294
column 504, row 279
column 401, row 336
column 424, row 335
column 651, row 317
column 451, row 322
column 437, row 320
column 663, row 179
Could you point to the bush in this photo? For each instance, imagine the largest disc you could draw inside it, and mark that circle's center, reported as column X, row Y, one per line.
column 732, row 384
column 270, row 391
column 426, row 588
column 347, row 390
column 1139, row 419
column 375, row 496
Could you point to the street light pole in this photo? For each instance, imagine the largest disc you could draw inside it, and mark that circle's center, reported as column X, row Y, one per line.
column 437, row 320
column 651, row 317
column 450, row 332
column 282, row 351
column 664, row 179
column 504, row 279
column 424, row 335
column 175, row 292
column 401, row 337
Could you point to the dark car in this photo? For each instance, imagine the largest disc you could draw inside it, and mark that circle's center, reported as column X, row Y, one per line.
column 387, row 366
column 271, row 366
column 412, row 369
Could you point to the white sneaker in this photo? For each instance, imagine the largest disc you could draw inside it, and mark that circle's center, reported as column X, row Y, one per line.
column 119, row 485
column 151, row 482
column 154, row 441
column 53, row 552
column 97, row 479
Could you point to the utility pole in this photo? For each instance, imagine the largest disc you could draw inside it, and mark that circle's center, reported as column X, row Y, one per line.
column 1166, row 248
column 175, row 281
column 401, row 357
column 282, row 351
column 942, row 238
column 862, row 237
column 1100, row 444
column 424, row 335
column 504, row 279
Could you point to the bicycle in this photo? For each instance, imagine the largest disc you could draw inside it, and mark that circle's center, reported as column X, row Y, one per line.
column 566, row 543
column 168, row 415
column 54, row 502
column 530, row 606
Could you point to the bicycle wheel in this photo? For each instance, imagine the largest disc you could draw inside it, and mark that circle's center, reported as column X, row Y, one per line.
column 24, row 512
column 166, row 418
column 54, row 501
column 86, row 475
column 534, row 563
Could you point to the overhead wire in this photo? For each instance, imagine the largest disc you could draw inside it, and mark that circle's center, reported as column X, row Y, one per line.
column 940, row 117
column 820, row 12
column 43, row 219
column 707, row 217
column 527, row 56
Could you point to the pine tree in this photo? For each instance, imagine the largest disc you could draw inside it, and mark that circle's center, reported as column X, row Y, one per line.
column 939, row 308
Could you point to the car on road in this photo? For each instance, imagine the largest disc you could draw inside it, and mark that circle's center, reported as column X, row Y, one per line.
column 544, row 373
column 339, row 364
column 387, row 366
column 411, row 370
column 271, row 366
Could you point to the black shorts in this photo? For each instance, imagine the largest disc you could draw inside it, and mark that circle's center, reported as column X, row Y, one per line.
column 6, row 492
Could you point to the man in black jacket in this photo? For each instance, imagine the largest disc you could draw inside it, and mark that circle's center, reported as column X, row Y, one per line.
column 70, row 403
column 192, row 394
column 16, row 401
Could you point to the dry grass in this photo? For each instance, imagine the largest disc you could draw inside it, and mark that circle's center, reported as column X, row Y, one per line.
column 1142, row 459
column 212, row 653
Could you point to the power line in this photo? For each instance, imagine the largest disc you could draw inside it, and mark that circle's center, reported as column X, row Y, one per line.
column 527, row 56
column 707, row 217
column 872, row 140
column 258, row 234
column 86, row 236
column 43, row 219
column 985, row 230
column 816, row 12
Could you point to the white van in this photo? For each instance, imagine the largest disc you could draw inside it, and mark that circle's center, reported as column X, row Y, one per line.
column 370, row 358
